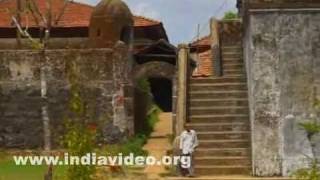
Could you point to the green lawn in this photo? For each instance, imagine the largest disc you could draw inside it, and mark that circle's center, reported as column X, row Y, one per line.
column 9, row 171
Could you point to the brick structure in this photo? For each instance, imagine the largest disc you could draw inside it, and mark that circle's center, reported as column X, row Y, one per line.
column 201, row 52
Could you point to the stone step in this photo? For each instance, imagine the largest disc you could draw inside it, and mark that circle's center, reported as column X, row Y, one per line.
column 227, row 51
column 233, row 67
column 226, row 48
column 224, row 135
column 231, row 55
column 214, row 127
column 235, row 72
column 223, row 118
column 233, row 61
column 223, row 170
column 217, row 94
column 200, row 152
column 238, row 143
column 218, row 102
column 222, row 161
column 236, row 79
column 218, row 110
column 218, row 86
column 234, row 49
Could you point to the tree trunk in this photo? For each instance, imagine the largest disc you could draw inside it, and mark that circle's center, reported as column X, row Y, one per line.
column 44, row 108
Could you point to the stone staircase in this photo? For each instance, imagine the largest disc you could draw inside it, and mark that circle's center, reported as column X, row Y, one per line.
column 218, row 111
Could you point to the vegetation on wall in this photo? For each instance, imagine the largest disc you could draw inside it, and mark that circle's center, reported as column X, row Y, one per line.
column 80, row 137
column 230, row 15
column 312, row 128
column 144, row 85
column 135, row 144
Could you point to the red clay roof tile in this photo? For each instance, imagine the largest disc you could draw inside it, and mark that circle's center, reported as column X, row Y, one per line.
column 204, row 41
column 75, row 14
column 144, row 21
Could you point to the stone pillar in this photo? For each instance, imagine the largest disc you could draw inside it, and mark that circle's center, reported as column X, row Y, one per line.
column 181, row 108
column 122, row 98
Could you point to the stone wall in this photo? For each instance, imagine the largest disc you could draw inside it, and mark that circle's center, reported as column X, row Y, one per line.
column 282, row 50
column 107, row 92
column 54, row 43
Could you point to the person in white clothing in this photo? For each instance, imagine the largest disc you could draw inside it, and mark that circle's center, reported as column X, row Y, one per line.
column 188, row 143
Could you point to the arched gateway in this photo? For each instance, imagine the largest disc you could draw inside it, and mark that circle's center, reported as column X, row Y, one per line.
column 157, row 65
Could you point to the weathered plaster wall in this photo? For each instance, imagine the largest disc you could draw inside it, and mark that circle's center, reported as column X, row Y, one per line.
column 106, row 88
column 282, row 51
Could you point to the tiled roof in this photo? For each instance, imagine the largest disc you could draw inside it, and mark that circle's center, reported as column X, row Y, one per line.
column 204, row 41
column 140, row 21
column 74, row 15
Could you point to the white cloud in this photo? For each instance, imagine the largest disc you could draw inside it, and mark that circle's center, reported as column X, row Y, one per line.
column 144, row 9
column 91, row 2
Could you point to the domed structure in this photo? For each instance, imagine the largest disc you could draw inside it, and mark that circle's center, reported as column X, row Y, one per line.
column 111, row 21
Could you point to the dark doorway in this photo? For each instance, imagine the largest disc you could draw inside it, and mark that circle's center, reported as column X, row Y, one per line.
column 161, row 90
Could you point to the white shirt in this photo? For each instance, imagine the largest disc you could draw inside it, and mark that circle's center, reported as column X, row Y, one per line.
column 188, row 141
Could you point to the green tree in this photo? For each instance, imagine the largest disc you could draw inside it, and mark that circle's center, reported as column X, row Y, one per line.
column 230, row 15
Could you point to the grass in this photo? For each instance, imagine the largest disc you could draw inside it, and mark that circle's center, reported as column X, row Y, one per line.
column 10, row 171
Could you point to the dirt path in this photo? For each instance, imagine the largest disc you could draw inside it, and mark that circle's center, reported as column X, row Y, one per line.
column 158, row 144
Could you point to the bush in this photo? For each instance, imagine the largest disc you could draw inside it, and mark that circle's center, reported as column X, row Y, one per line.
column 144, row 85
column 135, row 144
column 152, row 119
column 312, row 173
column 312, row 128
column 230, row 15
column 80, row 137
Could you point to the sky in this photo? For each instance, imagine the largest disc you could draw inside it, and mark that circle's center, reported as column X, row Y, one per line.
column 181, row 18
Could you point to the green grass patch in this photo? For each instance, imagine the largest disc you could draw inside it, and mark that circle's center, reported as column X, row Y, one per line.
column 10, row 171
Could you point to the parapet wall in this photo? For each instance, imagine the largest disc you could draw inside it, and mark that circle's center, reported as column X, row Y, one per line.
column 106, row 91
column 266, row 4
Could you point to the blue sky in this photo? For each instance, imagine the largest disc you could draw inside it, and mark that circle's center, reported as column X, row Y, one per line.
column 180, row 17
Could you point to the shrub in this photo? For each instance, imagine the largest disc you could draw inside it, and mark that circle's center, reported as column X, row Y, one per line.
column 230, row 15
column 312, row 128
column 80, row 138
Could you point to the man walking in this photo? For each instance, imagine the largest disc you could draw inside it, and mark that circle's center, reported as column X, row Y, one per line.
column 188, row 143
